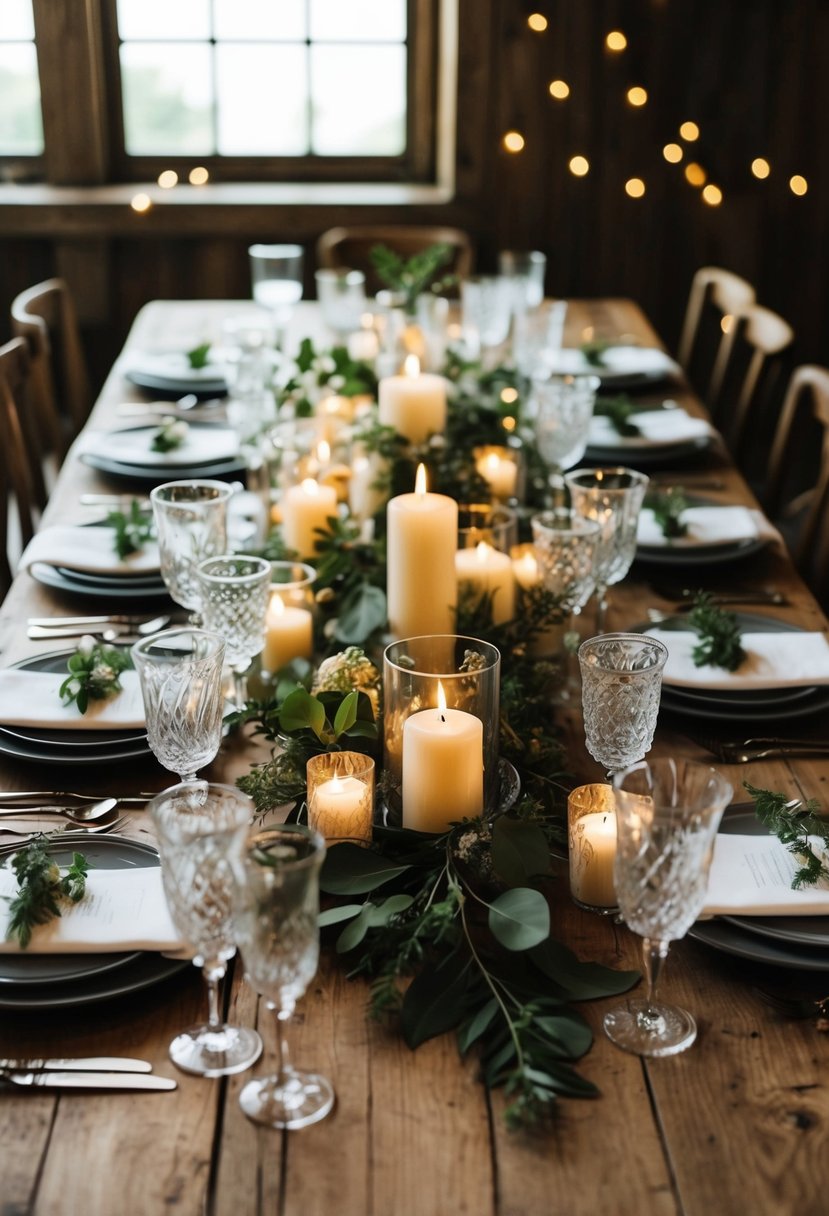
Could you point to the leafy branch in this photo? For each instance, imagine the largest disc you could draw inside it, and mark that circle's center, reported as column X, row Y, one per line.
column 94, row 673
column 414, row 275
column 720, row 639
column 668, row 509
column 41, row 887
column 198, row 356
column 170, row 435
column 132, row 530
column 793, row 822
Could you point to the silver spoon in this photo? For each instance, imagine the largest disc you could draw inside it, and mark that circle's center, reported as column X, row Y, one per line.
column 78, row 814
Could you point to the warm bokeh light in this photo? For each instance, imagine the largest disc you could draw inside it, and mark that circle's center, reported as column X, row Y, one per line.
column 760, row 167
column 514, row 141
column 725, row 323
column 695, row 174
column 199, row 176
column 689, row 131
column 508, row 423
column 579, row 166
column 141, row 202
column 508, row 395
column 798, row 184
column 712, row 195
column 673, row 153
column 167, row 179
column 637, row 96
column 634, row 187
column 615, row 41
column 559, row 89
column 537, row 22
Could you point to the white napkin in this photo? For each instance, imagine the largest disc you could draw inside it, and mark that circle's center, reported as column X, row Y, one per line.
column 205, row 443
column 32, row 698
column 656, row 428
column 706, row 526
column 88, row 549
column 172, row 365
column 773, row 660
column 636, row 361
column 752, row 876
column 121, row 910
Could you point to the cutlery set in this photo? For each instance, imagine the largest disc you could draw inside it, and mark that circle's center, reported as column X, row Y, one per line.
column 110, row 628
column 93, row 1072
column 758, row 748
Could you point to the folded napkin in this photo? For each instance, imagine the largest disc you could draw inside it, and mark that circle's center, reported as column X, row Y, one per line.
column 616, row 361
column 656, row 428
column 752, row 876
column 88, row 549
column 32, row 698
column 773, row 660
column 705, row 526
column 171, row 365
column 204, row 444
column 121, row 910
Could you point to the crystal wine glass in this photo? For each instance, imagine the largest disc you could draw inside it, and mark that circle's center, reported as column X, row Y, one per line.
column 667, row 815
column 563, row 407
column 275, row 921
column 199, row 826
column 235, row 591
column 276, row 273
column 565, row 544
column 486, row 310
column 191, row 522
column 621, row 677
column 613, row 497
column 180, row 672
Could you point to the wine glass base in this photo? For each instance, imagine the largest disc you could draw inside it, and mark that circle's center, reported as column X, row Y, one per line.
column 292, row 1100
column 636, row 1029
column 215, row 1053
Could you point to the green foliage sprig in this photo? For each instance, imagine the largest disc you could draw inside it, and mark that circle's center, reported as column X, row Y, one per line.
column 41, row 887
column 793, row 822
column 720, row 639
column 170, row 435
column 619, row 411
column 326, row 370
column 668, row 509
column 595, row 351
column 132, row 529
column 94, row 673
column 198, row 356
column 412, row 276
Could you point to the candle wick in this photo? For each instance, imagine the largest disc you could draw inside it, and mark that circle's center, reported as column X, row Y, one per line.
column 442, row 718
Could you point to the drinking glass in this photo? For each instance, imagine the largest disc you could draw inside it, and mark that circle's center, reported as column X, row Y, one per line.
column 191, row 523
column 563, row 409
column 485, row 312
column 235, row 591
column 614, row 498
column 276, row 901
column 565, row 546
column 276, row 273
column 180, row 672
column 342, row 298
column 199, row 826
column 667, row 815
column 524, row 269
column 621, row 677
column 537, row 337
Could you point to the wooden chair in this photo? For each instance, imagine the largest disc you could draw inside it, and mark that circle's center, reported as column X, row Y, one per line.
column 45, row 316
column 716, row 296
column 14, row 461
column 746, row 373
column 351, row 247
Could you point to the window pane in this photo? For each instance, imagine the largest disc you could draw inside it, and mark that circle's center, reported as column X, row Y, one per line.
column 358, row 20
column 17, row 20
column 164, row 19
column 21, row 126
column 262, row 107
column 359, row 100
column 282, row 20
column 167, row 98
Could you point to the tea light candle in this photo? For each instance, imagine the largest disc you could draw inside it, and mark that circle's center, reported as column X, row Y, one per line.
column 341, row 809
column 489, row 572
column 421, row 583
column 364, row 345
column 592, row 842
column 499, row 470
column 305, row 508
column 443, row 768
column 413, row 404
column 289, row 634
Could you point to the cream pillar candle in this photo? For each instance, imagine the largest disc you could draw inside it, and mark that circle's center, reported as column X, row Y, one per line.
column 289, row 634
column 305, row 508
column 443, row 767
column 489, row 572
column 364, row 498
column 363, row 346
column 500, row 471
column 414, row 404
column 422, row 532
column 341, row 809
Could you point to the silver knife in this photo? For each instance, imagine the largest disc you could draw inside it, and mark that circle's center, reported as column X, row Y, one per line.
column 37, row 633
column 60, row 622
column 88, row 1080
column 82, row 1064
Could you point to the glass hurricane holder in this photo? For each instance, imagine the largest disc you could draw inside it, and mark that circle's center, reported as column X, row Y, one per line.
column 199, row 826
column 341, row 796
column 613, row 497
column 480, row 522
column 275, row 909
column 621, row 676
column 294, row 451
column 276, row 273
column 486, row 302
column 524, row 270
column 565, row 545
column 444, row 763
column 180, row 672
column 235, row 592
column 191, row 524
column 667, row 815
column 342, row 298
column 562, row 409
column 591, row 840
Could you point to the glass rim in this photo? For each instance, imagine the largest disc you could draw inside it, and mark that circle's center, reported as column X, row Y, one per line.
column 585, row 526
column 339, row 274
column 301, row 830
column 224, row 491
column 659, row 762
column 636, row 477
column 142, row 648
column 253, row 577
column 493, row 664
column 581, row 381
column 296, row 583
column 261, row 250
column 643, row 639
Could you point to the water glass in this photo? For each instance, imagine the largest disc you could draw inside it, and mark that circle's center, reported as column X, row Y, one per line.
column 180, row 672
column 235, row 592
column 667, row 815
column 485, row 312
column 565, row 548
column 191, row 524
column 342, row 298
column 562, row 407
column 525, row 270
column 537, row 336
column 621, row 685
column 276, row 273
column 276, row 902
column 199, row 827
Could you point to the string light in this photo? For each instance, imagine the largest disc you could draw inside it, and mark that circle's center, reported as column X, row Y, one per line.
column 199, row 176
column 514, row 141
column 559, row 89
column 712, row 195
column 167, row 179
column 673, row 153
column 615, row 41
column 537, row 22
column 579, row 166
column 141, row 202
column 509, row 395
column 760, row 167
column 695, row 174
column 634, row 187
column 689, row 131
column 637, row 96
column 798, row 184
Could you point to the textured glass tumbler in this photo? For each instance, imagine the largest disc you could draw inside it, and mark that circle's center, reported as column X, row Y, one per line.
column 276, row 273
column 563, row 408
column 621, row 676
column 180, row 671
column 276, row 902
column 667, row 815
column 235, row 592
column 199, row 826
column 191, row 522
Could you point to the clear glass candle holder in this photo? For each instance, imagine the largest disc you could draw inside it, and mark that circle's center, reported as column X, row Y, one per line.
column 501, row 467
column 441, row 696
column 481, row 522
column 591, row 838
column 341, row 796
column 290, row 616
column 293, row 582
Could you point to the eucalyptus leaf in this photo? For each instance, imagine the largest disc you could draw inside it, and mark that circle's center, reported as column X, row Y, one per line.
column 334, row 916
column 473, row 1029
column 519, row 851
column 389, row 908
column 355, row 931
column 351, row 870
column 362, row 611
column 346, row 715
column 434, row 1002
column 578, row 981
column 520, row 918
column 567, row 1032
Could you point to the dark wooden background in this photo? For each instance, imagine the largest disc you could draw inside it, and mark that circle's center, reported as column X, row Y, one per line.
column 754, row 74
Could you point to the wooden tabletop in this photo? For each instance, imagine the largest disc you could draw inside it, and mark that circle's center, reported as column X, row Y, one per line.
column 739, row 1123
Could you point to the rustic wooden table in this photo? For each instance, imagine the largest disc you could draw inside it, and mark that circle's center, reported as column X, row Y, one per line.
column 740, row 1123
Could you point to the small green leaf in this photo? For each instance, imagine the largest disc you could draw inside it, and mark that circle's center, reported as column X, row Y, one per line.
column 351, row 870
column 354, row 932
column 346, row 715
column 473, row 1029
column 334, row 916
column 434, row 1002
column 578, row 981
column 393, row 906
column 198, row 355
column 520, row 918
column 519, row 851
column 362, row 611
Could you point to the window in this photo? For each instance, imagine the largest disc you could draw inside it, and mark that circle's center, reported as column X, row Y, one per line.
column 21, row 126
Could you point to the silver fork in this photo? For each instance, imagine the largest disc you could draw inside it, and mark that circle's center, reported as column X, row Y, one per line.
column 66, row 834
column 747, row 750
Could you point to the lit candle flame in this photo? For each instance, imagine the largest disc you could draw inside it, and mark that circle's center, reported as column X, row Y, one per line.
column 310, row 487
column 482, row 551
column 276, row 607
column 420, row 480
column 527, row 568
column 411, row 366
column 492, row 463
column 441, row 699
column 335, row 786
column 323, row 452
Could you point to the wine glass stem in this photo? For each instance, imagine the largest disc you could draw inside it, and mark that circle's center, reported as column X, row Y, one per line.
column 213, row 972
column 558, row 487
column 283, row 1059
column 601, row 607
column 654, row 953
column 240, row 688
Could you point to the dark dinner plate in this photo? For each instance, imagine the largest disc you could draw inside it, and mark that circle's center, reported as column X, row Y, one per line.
column 115, row 589
column 149, row 476
column 170, row 387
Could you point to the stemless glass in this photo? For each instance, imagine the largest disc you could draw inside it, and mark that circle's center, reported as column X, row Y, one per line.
column 563, row 407
column 614, row 498
column 276, row 901
column 667, row 815
column 180, row 672
column 525, row 270
column 199, row 826
column 621, row 677
column 235, row 591
column 191, row 522
column 276, row 273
